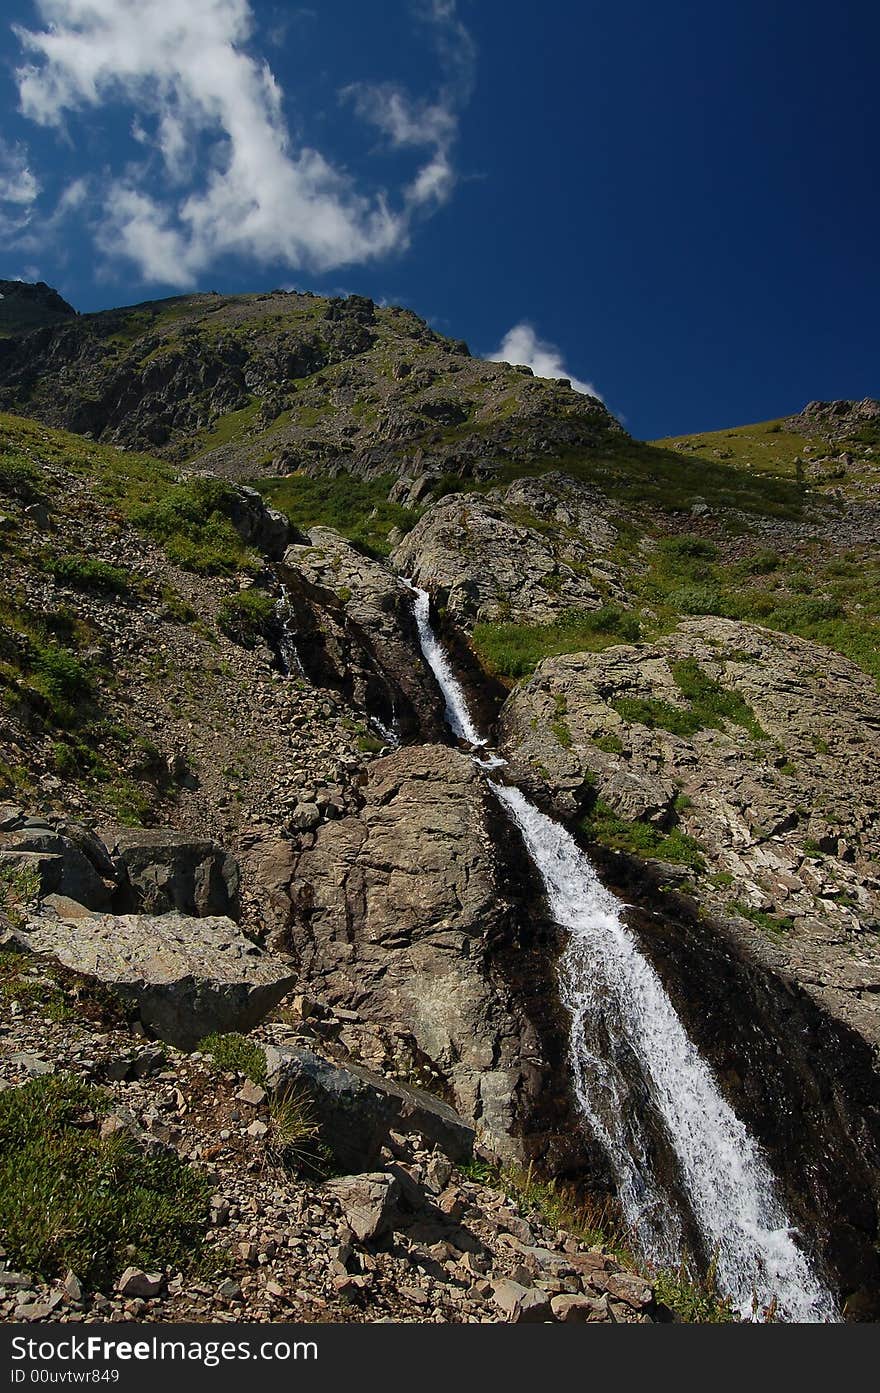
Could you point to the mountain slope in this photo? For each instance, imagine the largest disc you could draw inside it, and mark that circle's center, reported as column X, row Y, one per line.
column 266, row 384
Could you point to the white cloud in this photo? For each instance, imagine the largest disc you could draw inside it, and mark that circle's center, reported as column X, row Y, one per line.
column 522, row 345
column 410, row 123
column 187, row 71
column 18, row 189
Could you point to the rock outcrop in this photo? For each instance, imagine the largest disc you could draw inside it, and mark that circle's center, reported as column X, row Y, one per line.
column 770, row 777
column 161, row 869
column 354, row 630
column 404, row 913
column 358, row 1110
column 524, row 553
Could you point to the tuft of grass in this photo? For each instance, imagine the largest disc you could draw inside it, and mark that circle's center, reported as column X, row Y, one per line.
column 70, row 1200
column 89, row 573
column 237, row 1054
column 246, row 617
column 602, row 824
column 776, row 926
column 295, row 1135
column 693, row 1299
column 511, row 651
column 19, row 478
column 19, row 889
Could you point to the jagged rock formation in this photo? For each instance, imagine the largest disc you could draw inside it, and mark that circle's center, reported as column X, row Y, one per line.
column 354, row 630
column 780, row 796
column 265, row 384
column 525, row 552
column 25, row 307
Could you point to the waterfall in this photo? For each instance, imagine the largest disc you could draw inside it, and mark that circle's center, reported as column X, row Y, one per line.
column 458, row 717
column 287, row 649
column 622, row 1020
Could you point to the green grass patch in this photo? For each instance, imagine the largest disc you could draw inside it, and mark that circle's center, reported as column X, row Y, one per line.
column 89, row 573
column 237, row 1054
column 246, row 617
column 70, row 1200
column 192, row 521
column 602, row 824
column 775, row 925
column 511, row 651
column 357, row 508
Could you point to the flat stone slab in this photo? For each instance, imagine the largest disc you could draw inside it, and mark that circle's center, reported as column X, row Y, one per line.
column 187, row 976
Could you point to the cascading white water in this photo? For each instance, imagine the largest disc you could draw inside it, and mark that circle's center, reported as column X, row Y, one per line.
column 458, row 717
column 728, row 1184
column 287, row 649
column 618, row 1005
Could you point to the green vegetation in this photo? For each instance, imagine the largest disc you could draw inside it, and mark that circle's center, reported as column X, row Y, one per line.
column 774, row 925
column 357, row 508
column 510, row 651
column 18, row 476
column 558, row 724
column 597, row 1224
column 247, row 616
column 695, row 1300
column 70, row 1200
column 192, row 520
column 594, row 1223
column 19, row 888
column 236, row 1053
column 602, row 824
column 88, row 573
column 709, row 705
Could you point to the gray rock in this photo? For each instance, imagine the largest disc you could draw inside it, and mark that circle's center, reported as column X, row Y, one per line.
column 572, row 1309
column 521, row 1305
column 161, row 869
column 368, row 1203
column 753, row 806
column 258, row 525
column 358, row 1109
column 135, row 1282
column 60, row 866
column 526, row 552
column 188, row 977
column 358, row 634
column 399, row 914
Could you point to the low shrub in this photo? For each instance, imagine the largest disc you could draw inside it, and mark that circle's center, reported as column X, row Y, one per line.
column 69, row 1199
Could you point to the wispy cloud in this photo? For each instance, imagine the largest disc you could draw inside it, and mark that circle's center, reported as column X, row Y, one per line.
column 419, row 122
column 522, row 345
column 18, row 189
column 188, row 72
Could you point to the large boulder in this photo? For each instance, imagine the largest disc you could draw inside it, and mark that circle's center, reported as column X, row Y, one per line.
column 62, row 859
column 258, row 525
column 405, row 913
column 525, row 553
column 358, row 1109
column 187, row 977
column 355, row 631
column 161, row 869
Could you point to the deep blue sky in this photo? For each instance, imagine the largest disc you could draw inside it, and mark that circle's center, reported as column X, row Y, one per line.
column 683, row 198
